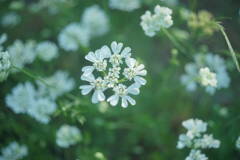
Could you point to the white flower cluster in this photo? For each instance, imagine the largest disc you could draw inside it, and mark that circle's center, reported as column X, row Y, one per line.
column 10, row 19
column 25, row 53
column 125, row 5
column 59, row 84
column 152, row 23
column 95, row 20
column 207, row 78
column 5, row 65
column 195, row 139
column 68, row 135
column 25, row 99
column 22, row 54
column 108, row 65
column 238, row 143
column 14, row 151
column 47, row 50
column 94, row 23
column 215, row 63
column 39, row 103
column 52, row 6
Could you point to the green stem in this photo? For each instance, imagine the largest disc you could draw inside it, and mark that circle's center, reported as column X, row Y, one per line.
column 175, row 42
column 233, row 54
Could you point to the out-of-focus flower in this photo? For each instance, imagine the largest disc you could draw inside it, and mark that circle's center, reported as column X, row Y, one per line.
column 21, row 98
column 47, row 50
column 196, row 155
column 152, row 23
column 203, row 21
column 238, row 143
column 10, row 19
column 5, row 65
column 3, row 39
column 14, row 151
column 26, row 99
column 207, row 78
column 73, row 36
column 108, row 63
column 195, row 139
column 68, row 135
column 22, row 54
column 42, row 109
column 59, row 84
column 96, row 20
column 215, row 63
column 125, row 5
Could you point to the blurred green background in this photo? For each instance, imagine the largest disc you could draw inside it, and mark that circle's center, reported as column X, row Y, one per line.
column 149, row 130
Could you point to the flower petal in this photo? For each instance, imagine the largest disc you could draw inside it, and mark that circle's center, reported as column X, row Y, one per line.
column 113, row 100
column 90, row 57
column 124, row 102
column 130, row 62
column 85, row 89
column 130, row 100
column 140, row 80
column 106, row 51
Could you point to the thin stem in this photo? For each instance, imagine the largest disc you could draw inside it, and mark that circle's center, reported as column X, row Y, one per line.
column 233, row 54
column 175, row 42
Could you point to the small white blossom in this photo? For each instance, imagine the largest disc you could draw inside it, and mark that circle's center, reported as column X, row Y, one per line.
column 68, row 135
column 42, row 109
column 207, row 77
column 47, row 50
column 152, row 23
column 58, row 84
column 14, row 151
column 96, row 20
column 196, row 155
column 121, row 91
column 125, row 5
column 135, row 71
column 194, row 127
column 238, row 143
column 10, row 19
column 21, row 98
column 215, row 63
column 115, row 67
column 5, row 65
column 22, row 54
column 195, row 139
column 73, row 36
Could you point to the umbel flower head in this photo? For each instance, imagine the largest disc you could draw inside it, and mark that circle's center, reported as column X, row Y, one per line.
column 152, row 23
column 113, row 69
column 196, row 139
column 5, row 65
column 68, row 135
column 14, row 151
column 207, row 78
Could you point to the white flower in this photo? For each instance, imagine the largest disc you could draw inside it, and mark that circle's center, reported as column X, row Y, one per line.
column 121, row 91
column 135, row 71
column 238, row 143
column 215, row 63
column 5, row 65
column 99, row 85
column 22, row 54
column 14, row 151
column 194, row 127
column 47, row 50
column 117, row 56
column 196, row 155
column 207, row 77
column 10, row 19
column 58, row 84
column 152, row 23
column 115, row 69
column 21, row 98
column 73, row 36
column 68, row 135
column 184, row 141
column 207, row 141
column 42, row 109
column 96, row 20
column 125, row 5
